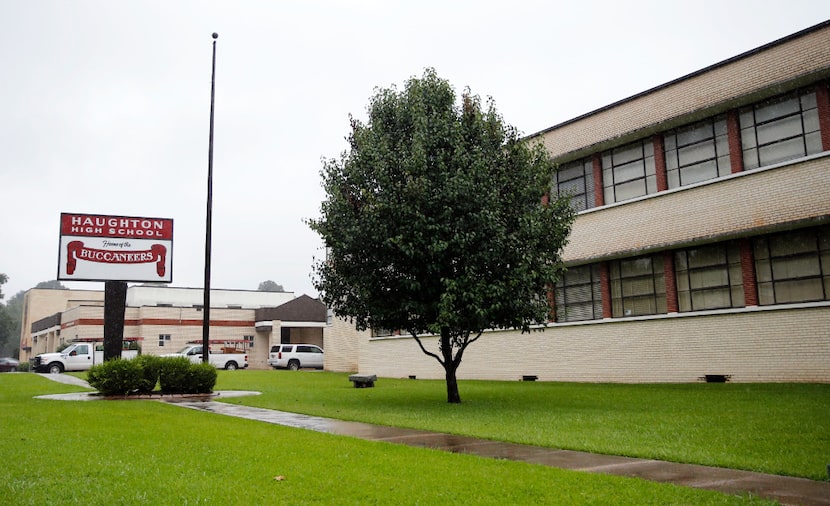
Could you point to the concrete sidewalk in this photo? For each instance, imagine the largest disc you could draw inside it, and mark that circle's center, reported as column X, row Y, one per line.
column 784, row 489
column 787, row 490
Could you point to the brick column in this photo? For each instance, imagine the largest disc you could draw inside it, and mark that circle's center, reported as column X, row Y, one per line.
column 733, row 135
column 823, row 103
column 671, row 282
column 599, row 192
column 748, row 273
column 660, row 162
column 605, row 287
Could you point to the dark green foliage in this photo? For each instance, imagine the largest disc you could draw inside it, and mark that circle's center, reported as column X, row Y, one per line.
column 116, row 377
column 179, row 376
column 434, row 222
column 202, row 378
column 150, row 368
column 174, row 375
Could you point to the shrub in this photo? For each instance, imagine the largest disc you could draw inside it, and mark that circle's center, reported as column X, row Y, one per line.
column 150, row 368
column 201, row 378
column 173, row 375
column 115, row 377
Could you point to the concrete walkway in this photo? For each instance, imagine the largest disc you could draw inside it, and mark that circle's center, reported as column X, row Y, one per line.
column 787, row 490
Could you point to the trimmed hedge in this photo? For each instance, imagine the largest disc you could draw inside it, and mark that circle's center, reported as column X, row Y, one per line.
column 174, row 375
column 150, row 369
column 115, row 377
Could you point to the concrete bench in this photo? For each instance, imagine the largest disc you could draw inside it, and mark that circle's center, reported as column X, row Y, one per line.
column 363, row 380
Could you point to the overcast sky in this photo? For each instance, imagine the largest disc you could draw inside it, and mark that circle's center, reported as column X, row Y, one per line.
column 105, row 105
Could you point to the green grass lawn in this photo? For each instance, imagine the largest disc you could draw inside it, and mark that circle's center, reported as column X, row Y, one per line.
column 148, row 452
column 773, row 428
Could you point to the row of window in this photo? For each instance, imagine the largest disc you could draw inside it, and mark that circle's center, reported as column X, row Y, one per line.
column 166, row 338
column 783, row 128
column 788, row 267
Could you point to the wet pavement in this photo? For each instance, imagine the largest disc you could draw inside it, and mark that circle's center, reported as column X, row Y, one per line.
column 787, row 490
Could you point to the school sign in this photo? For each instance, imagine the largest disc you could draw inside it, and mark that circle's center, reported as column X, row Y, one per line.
column 115, row 248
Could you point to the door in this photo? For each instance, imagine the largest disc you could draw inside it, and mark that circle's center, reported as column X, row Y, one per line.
column 80, row 358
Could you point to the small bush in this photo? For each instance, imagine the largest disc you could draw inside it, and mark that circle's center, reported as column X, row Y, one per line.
column 201, row 378
column 174, row 375
column 115, row 377
column 150, row 368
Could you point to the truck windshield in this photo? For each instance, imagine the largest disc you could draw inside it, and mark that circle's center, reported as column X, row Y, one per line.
column 190, row 349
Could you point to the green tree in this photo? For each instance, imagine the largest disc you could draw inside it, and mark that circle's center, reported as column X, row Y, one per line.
column 9, row 323
column 7, row 335
column 270, row 286
column 53, row 284
column 437, row 221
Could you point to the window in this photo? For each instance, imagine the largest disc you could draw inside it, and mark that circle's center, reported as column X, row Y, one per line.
column 578, row 295
column 249, row 341
column 381, row 332
column 709, row 277
column 793, row 266
column 638, row 286
column 575, row 180
column 697, row 152
column 780, row 129
column 628, row 171
column 163, row 338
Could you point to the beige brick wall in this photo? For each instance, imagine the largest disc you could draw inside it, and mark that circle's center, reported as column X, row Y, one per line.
column 342, row 346
column 711, row 91
column 38, row 303
column 753, row 201
column 760, row 345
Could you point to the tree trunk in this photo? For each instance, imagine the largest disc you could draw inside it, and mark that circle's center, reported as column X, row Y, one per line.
column 450, row 367
column 453, row 397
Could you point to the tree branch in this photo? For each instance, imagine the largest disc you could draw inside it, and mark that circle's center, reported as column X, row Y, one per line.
column 426, row 352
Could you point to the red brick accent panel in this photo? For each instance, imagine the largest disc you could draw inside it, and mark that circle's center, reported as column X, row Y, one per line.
column 733, row 135
column 599, row 193
column 605, row 287
column 552, row 303
column 823, row 103
column 660, row 163
column 671, row 282
column 748, row 273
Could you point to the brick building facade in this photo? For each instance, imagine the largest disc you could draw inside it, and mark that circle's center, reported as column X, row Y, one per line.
column 702, row 241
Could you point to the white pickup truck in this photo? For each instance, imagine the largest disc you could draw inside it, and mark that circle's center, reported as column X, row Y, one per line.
column 219, row 360
column 76, row 357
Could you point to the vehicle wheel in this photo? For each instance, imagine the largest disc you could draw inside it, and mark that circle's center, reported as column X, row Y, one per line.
column 231, row 366
column 55, row 368
column 13, row 369
column 294, row 365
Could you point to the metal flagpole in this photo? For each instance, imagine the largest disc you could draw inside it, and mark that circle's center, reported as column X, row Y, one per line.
column 209, row 217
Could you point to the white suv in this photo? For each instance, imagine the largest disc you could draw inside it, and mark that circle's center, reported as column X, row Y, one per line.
column 295, row 356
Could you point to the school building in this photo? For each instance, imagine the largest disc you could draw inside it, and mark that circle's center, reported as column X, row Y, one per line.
column 701, row 248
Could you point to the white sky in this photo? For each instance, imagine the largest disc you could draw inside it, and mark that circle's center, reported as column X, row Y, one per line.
column 104, row 105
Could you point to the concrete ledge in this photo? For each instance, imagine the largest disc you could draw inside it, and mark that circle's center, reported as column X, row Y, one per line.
column 363, row 380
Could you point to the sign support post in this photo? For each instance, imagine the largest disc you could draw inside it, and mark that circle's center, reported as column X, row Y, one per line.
column 115, row 304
